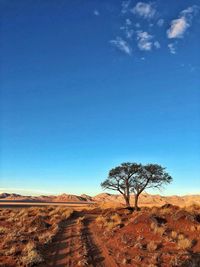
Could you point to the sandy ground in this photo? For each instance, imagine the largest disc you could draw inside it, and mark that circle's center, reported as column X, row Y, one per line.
column 118, row 237
column 78, row 245
column 16, row 204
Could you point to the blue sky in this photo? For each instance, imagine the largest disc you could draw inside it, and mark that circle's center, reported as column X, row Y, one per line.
column 86, row 85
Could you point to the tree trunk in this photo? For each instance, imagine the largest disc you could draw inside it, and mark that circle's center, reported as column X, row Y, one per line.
column 136, row 201
column 127, row 199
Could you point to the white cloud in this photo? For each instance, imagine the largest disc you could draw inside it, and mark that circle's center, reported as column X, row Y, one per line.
column 144, row 10
column 96, row 12
column 160, row 22
column 144, row 41
column 172, row 48
column 179, row 26
column 122, row 45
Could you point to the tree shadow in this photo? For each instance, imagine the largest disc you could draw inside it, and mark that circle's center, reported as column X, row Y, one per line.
column 193, row 261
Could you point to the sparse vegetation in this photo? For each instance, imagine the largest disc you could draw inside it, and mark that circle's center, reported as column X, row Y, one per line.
column 152, row 246
column 165, row 236
column 3, row 230
column 23, row 232
column 158, row 229
column 153, row 234
column 174, row 234
column 31, row 258
column 184, row 243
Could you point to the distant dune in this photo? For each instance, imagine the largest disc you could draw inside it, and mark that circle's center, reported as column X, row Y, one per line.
column 59, row 198
column 69, row 198
column 144, row 200
column 151, row 200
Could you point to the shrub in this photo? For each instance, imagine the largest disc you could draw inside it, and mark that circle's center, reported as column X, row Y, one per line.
column 46, row 237
column 184, row 243
column 101, row 220
column 193, row 228
column 12, row 251
column 181, row 236
column 29, row 246
column 152, row 246
column 116, row 219
column 3, row 230
column 157, row 229
column 174, row 234
column 32, row 258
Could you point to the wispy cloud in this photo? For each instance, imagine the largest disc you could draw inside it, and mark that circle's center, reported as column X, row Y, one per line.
column 122, row 45
column 144, row 40
column 125, row 6
column 128, row 21
column 160, row 22
column 145, row 10
column 190, row 11
column 172, row 48
column 137, row 25
column 127, row 28
column 157, row 44
column 96, row 12
column 179, row 26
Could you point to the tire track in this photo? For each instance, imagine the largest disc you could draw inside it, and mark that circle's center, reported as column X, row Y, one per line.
column 78, row 245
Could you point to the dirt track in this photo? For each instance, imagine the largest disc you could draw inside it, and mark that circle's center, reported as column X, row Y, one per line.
column 78, row 245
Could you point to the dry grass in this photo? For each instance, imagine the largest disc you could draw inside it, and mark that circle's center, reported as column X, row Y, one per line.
column 152, row 246
column 116, row 218
column 32, row 257
column 110, row 204
column 110, row 225
column 3, row 230
column 101, row 220
column 193, row 228
column 153, row 232
column 113, row 221
column 184, row 243
column 109, row 222
column 12, row 251
column 23, row 231
column 174, row 234
column 160, row 230
column 164, row 211
column 180, row 236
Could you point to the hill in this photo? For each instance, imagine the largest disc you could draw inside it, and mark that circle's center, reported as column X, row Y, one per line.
column 144, row 200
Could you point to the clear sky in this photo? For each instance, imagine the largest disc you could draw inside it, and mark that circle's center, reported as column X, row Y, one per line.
column 86, row 85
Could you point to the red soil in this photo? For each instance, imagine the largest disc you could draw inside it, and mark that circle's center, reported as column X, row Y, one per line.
column 163, row 237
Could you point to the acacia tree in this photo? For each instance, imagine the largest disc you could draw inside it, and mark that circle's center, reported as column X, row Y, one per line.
column 149, row 176
column 121, row 179
column 135, row 178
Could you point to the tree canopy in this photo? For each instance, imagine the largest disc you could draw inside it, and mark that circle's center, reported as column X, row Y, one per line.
column 135, row 178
